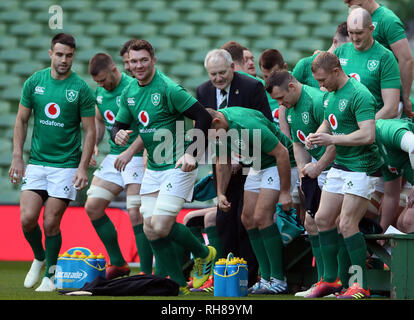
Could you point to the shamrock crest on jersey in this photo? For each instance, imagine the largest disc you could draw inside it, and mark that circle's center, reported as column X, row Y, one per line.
column 71, row 95
column 342, row 104
column 305, row 117
column 155, row 99
column 372, row 64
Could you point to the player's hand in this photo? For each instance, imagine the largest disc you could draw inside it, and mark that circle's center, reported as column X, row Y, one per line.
column 122, row 137
column 223, row 204
column 122, row 160
column 187, row 163
column 285, row 199
column 408, row 108
column 320, row 139
column 93, row 161
column 16, row 171
column 80, row 180
column 311, row 170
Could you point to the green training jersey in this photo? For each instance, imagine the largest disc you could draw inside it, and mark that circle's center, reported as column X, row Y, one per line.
column 388, row 136
column 58, row 106
column 245, row 144
column 303, row 73
column 108, row 103
column 344, row 108
column 274, row 106
column 157, row 108
column 376, row 68
column 306, row 117
column 388, row 28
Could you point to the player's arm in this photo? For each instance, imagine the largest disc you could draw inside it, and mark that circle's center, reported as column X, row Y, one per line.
column 324, row 128
column 100, row 132
column 80, row 180
column 125, row 157
column 302, row 157
column 120, row 133
column 284, row 126
column 402, row 52
column 202, row 122
column 100, row 126
column 363, row 136
column 281, row 154
column 16, row 171
column 223, row 175
column 391, row 98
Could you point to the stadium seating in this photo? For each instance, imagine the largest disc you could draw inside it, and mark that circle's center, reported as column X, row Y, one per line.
column 181, row 31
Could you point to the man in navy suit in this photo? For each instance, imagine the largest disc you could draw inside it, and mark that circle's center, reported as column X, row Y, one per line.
column 227, row 88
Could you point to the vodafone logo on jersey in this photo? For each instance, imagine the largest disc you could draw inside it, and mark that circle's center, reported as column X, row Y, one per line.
column 52, row 110
column 143, row 118
column 301, row 136
column 275, row 114
column 109, row 116
column 332, row 121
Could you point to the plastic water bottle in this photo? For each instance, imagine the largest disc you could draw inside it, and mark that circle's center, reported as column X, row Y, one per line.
column 219, row 278
column 101, row 262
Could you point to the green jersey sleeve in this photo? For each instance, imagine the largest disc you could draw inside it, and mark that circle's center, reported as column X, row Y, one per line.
column 124, row 114
column 26, row 97
column 388, row 27
column 390, row 72
column 87, row 102
column 364, row 105
column 179, row 98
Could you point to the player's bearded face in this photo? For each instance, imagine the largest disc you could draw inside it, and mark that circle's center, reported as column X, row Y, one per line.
column 62, row 58
column 142, row 65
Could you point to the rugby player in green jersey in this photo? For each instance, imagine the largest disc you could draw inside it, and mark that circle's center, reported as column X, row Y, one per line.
column 349, row 124
column 257, row 142
column 390, row 32
column 395, row 140
column 61, row 102
column 305, row 113
column 108, row 182
column 302, row 70
column 158, row 105
column 370, row 63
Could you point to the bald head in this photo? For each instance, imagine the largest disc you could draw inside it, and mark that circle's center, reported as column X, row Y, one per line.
column 359, row 19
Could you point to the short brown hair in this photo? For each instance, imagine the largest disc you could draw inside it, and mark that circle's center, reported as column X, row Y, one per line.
column 280, row 79
column 100, row 62
column 63, row 38
column 140, row 44
column 235, row 49
column 270, row 58
column 326, row 61
column 125, row 47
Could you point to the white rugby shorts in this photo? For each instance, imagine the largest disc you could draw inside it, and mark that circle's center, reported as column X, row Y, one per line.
column 56, row 181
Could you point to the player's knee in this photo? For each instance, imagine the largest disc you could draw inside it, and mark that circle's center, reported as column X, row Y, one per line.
column 94, row 204
column 310, row 225
column 324, row 221
column 247, row 221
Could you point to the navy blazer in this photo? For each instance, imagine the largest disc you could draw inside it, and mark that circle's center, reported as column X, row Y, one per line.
column 245, row 92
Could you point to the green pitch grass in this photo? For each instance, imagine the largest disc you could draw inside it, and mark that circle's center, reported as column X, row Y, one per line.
column 12, row 274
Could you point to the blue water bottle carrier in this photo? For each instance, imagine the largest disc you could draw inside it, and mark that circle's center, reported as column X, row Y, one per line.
column 77, row 266
column 230, row 277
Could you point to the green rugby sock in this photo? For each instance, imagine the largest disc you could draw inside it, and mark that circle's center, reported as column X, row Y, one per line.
column 183, row 236
column 316, row 250
column 260, row 252
column 329, row 248
column 344, row 262
column 108, row 235
column 357, row 250
column 273, row 245
column 165, row 255
column 144, row 249
column 52, row 248
column 214, row 240
column 34, row 238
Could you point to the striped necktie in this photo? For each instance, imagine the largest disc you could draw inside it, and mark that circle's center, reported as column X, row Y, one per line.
column 223, row 103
